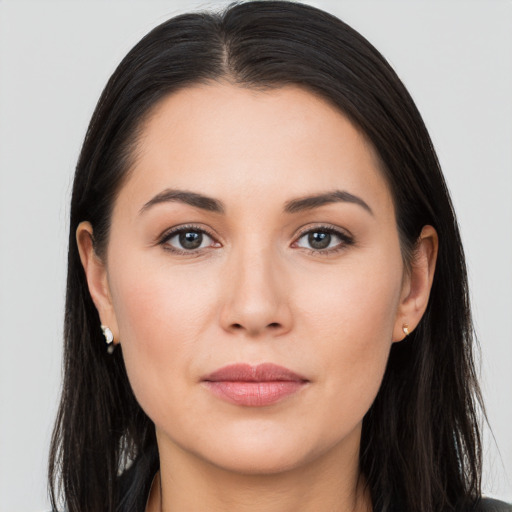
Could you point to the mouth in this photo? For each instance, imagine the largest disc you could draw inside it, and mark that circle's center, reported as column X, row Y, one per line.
column 254, row 386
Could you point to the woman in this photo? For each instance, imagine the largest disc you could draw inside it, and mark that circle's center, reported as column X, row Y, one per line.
column 267, row 303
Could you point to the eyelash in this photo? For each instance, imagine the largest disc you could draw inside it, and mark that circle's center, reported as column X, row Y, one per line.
column 164, row 239
column 346, row 239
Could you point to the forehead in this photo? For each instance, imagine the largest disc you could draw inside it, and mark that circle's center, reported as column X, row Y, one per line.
column 233, row 142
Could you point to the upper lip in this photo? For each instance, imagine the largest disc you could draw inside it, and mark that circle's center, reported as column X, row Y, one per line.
column 264, row 372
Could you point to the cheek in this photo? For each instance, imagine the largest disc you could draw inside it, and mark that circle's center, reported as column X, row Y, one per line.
column 161, row 314
column 351, row 314
column 357, row 301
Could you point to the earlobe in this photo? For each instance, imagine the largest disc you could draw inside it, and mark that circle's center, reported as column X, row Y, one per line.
column 417, row 285
column 96, row 275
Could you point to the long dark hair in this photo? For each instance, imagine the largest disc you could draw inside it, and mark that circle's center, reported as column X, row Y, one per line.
column 420, row 439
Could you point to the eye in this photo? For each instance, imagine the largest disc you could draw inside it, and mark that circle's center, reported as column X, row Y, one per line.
column 324, row 239
column 187, row 240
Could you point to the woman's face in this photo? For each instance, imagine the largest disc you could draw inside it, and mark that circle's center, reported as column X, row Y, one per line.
column 254, row 227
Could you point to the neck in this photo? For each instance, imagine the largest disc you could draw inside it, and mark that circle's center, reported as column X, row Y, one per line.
column 330, row 482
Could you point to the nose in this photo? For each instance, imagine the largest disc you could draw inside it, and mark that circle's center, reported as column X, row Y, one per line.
column 255, row 295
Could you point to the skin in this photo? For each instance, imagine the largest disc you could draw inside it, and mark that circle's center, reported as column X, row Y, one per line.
column 255, row 292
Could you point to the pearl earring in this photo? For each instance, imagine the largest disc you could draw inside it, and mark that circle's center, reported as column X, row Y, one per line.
column 405, row 328
column 109, row 338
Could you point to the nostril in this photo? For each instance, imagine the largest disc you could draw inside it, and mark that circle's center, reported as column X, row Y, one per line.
column 273, row 325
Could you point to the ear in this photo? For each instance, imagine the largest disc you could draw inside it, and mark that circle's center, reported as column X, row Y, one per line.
column 96, row 275
column 417, row 284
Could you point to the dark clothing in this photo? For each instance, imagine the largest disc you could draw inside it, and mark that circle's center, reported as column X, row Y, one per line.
column 136, row 484
column 489, row 505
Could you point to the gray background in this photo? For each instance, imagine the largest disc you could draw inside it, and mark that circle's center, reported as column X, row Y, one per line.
column 454, row 56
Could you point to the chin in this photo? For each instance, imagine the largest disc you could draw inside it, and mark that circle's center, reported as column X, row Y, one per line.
column 261, row 455
column 259, row 462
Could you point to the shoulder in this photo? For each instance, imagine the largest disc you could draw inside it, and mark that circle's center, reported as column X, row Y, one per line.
column 491, row 505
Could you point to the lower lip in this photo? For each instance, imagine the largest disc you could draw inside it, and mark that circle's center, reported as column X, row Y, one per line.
column 254, row 394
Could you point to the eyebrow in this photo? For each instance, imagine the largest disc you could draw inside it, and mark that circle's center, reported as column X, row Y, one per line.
column 293, row 206
column 336, row 196
column 184, row 196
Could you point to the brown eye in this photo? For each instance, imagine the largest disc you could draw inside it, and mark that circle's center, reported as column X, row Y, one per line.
column 324, row 240
column 319, row 239
column 188, row 240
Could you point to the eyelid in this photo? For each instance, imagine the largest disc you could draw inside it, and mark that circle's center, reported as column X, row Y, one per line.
column 323, row 227
column 345, row 236
column 175, row 230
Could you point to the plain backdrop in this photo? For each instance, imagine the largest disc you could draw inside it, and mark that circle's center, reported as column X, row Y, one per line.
column 55, row 57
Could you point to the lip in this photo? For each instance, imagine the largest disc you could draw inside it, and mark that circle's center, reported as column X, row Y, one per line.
column 254, row 386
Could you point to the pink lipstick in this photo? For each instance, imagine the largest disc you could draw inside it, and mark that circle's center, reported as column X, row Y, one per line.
column 254, row 386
